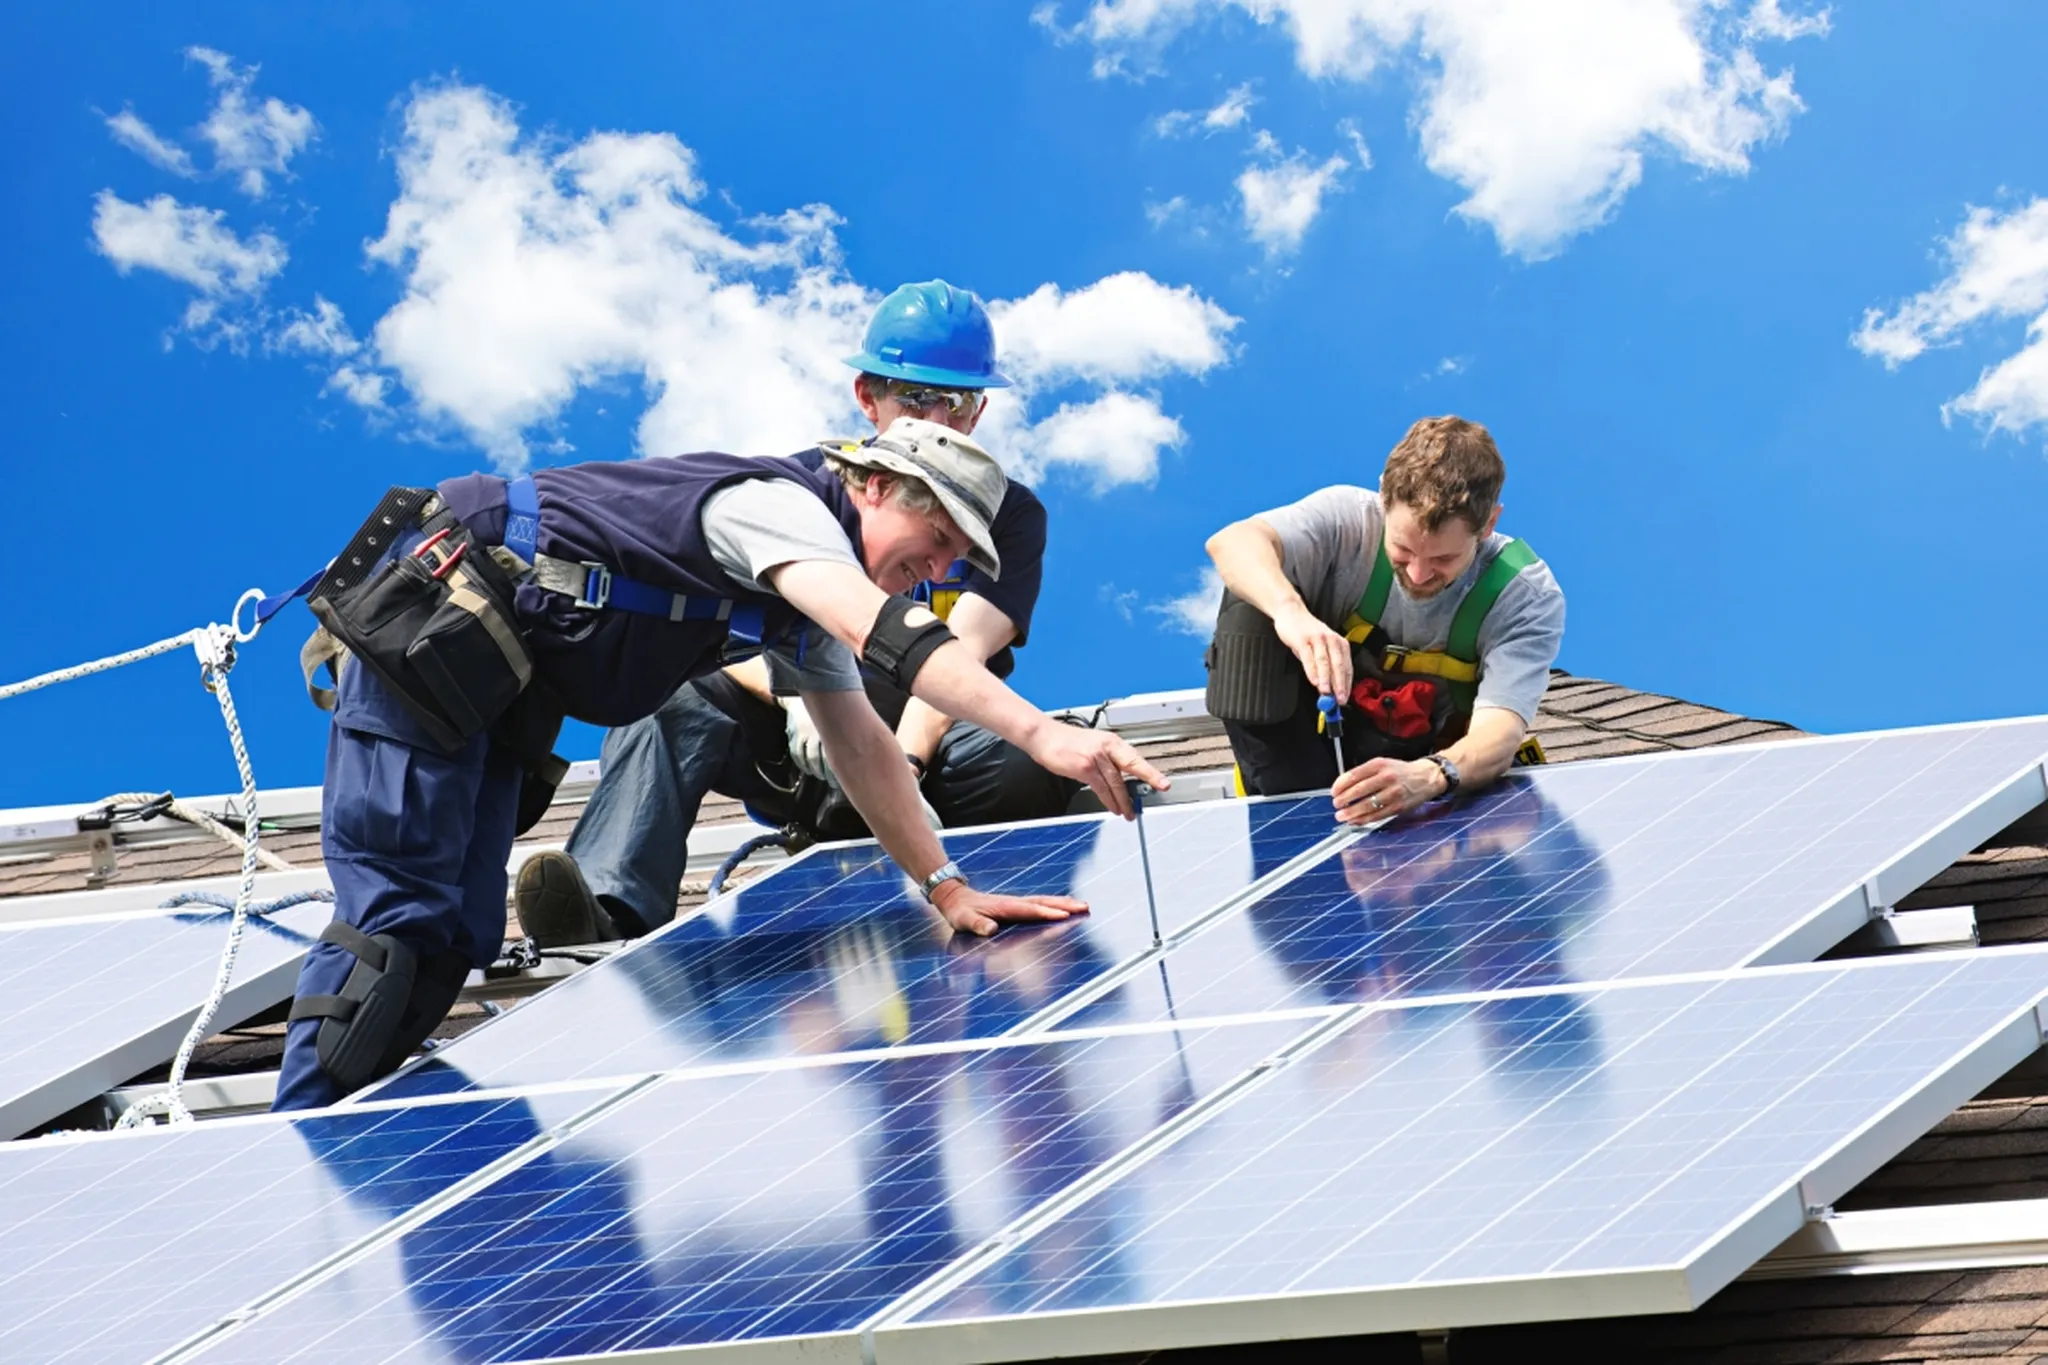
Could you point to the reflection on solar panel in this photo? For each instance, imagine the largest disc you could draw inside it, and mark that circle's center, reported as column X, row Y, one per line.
column 1509, row 1146
column 1565, row 1154
column 1601, row 871
column 119, row 1248
column 88, row 1003
column 834, row 953
column 789, row 1202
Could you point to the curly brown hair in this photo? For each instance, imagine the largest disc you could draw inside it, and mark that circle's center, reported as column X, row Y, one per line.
column 1445, row 467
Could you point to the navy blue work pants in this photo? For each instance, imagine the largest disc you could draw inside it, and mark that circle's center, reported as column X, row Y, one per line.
column 715, row 736
column 415, row 842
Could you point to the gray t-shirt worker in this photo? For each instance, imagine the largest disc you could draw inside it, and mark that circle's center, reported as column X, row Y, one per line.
column 1436, row 631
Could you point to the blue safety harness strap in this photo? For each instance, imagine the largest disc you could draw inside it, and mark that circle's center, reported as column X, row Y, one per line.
column 597, row 586
column 270, row 606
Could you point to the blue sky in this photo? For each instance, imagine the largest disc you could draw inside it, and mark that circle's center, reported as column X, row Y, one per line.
column 1752, row 296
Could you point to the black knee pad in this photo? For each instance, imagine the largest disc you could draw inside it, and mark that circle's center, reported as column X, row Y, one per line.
column 359, row 1025
column 436, row 984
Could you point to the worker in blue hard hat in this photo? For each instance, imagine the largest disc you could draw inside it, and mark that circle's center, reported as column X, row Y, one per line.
column 929, row 353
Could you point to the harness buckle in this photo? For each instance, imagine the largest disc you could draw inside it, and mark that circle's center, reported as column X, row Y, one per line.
column 1395, row 658
column 599, row 577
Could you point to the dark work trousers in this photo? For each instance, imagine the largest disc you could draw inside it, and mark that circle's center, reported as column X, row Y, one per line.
column 415, row 843
column 715, row 736
column 1290, row 756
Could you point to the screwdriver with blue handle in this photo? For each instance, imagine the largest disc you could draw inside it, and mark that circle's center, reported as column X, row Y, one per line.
column 1330, row 721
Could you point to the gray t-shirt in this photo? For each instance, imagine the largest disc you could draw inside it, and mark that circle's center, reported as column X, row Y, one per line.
column 1328, row 542
column 760, row 524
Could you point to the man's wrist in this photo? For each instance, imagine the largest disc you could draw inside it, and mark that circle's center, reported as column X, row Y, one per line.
column 936, row 881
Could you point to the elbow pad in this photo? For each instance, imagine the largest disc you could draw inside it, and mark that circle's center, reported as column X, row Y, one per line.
column 904, row 635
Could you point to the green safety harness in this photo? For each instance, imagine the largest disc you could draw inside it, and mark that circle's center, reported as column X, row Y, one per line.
column 1457, row 663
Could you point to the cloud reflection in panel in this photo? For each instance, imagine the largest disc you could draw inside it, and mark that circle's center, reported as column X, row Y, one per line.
column 834, row 953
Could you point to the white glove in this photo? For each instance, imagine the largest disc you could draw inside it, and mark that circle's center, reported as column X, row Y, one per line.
column 806, row 745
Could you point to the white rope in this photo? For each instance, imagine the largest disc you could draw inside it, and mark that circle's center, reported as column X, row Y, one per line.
column 217, row 655
column 215, row 646
column 192, row 815
column 190, row 637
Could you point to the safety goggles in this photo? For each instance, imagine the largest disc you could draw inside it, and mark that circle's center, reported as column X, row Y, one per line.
column 925, row 397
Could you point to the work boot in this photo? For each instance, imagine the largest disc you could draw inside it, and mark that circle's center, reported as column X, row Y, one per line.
column 555, row 906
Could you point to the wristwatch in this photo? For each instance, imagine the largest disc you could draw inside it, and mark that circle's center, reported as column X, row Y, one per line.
column 947, row 872
column 1448, row 769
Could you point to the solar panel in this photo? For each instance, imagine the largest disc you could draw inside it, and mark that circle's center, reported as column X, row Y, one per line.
column 1569, row 1153
column 86, row 1004
column 1600, row 871
column 833, row 951
column 786, row 1202
column 120, row 1247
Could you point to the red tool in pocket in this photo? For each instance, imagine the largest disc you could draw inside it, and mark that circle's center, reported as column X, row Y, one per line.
column 1405, row 712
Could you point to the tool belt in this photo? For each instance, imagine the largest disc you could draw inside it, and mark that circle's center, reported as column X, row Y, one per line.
column 435, row 624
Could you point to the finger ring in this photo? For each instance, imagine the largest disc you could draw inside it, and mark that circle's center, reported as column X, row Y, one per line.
column 1376, row 802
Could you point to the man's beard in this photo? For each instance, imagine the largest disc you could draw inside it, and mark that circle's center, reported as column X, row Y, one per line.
column 1418, row 594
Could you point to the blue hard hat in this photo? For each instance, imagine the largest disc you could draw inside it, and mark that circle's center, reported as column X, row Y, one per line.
column 931, row 333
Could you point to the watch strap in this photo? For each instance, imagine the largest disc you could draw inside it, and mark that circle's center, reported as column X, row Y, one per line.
column 946, row 872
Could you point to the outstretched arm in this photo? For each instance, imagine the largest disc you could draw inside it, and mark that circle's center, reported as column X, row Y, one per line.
column 841, row 600
column 883, row 790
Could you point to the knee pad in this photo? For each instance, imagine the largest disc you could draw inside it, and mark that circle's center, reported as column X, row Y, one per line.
column 437, row 982
column 359, row 1024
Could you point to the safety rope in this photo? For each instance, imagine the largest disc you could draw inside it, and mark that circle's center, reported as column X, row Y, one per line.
column 215, row 646
column 133, row 656
column 164, row 803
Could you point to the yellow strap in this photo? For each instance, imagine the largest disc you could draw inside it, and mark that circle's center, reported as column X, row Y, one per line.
column 943, row 601
column 1437, row 665
column 1435, row 662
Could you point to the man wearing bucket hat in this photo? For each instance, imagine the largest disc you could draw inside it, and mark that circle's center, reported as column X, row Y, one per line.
column 594, row 591
column 929, row 352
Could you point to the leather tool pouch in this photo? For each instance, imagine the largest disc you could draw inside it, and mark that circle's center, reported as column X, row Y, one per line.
column 435, row 625
column 1253, row 678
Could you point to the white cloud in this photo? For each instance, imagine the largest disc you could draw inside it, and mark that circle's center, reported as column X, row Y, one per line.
column 1234, row 108
column 1160, row 214
column 1998, row 269
column 250, row 140
column 322, row 332
column 1281, row 198
column 1123, row 328
column 138, row 137
column 1543, row 113
column 195, row 246
column 1113, row 439
column 187, row 243
column 533, row 270
column 1193, row 613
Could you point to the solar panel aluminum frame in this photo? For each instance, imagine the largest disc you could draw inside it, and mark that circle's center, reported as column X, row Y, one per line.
column 150, row 1046
column 890, row 1339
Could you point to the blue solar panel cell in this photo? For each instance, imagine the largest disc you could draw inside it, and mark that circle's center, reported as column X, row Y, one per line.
column 789, row 1202
column 120, row 1247
column 1569, row 1153
column 88, row 1003
column 834, row 953
column 1601, row 871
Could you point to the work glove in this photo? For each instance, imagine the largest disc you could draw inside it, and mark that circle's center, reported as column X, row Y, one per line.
column 806, row 745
